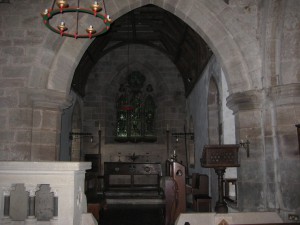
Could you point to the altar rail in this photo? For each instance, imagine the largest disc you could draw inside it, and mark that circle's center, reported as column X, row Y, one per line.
column 66, row 182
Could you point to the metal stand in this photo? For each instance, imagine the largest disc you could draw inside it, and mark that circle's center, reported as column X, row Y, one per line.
column 168, row 144
column 220, row 157
column 185, row 135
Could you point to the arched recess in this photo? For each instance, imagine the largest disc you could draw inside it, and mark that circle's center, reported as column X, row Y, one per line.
column 214, row 128
column 213, row 22
column 213, row 113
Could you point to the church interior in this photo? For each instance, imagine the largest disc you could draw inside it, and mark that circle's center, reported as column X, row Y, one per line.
column 149, row 112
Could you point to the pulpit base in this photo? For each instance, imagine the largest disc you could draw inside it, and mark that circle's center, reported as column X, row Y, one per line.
column 221, row 207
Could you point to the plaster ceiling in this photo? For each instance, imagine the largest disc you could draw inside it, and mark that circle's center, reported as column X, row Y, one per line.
column 155, row 27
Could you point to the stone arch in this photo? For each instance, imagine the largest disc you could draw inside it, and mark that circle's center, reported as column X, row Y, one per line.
column 237, row 52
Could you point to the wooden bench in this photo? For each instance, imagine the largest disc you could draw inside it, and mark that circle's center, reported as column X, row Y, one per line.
column 140, row 184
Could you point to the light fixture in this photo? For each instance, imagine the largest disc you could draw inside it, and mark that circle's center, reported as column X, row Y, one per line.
column 64, row 8
column 246, row 146
column 76, row 135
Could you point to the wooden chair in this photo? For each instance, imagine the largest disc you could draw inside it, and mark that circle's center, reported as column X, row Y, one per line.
column 199, row 189
column 92, row 185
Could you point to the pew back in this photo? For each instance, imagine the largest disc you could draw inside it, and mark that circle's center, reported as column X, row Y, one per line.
column 136, row 176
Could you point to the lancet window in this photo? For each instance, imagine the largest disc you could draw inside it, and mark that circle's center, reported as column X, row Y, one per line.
column 135, row 110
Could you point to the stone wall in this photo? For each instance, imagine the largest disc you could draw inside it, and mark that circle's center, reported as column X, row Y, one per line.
column 255, row 42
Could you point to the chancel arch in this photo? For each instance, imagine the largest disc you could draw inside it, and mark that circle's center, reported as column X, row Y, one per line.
column 67, row 52
column 217, row 31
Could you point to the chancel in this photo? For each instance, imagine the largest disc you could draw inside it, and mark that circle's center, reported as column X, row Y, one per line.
column 149, row 112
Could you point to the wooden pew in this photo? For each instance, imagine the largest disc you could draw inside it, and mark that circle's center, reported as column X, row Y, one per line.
column 163, row 191
column 132, row 175
column 170, row 190
column 177, row 172
column 199, row 189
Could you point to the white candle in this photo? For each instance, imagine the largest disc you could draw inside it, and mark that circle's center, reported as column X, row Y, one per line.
column 99, row 126
column 167, row 127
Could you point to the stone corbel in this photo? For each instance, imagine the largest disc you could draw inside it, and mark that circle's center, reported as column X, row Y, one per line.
column 285, row 94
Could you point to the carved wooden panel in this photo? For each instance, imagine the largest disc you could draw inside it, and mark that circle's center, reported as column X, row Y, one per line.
column 214, row 156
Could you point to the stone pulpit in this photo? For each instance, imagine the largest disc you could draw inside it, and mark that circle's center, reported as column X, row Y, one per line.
column 220, row 157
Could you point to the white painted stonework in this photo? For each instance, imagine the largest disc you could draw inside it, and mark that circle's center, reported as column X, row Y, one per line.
column 230, row 218
column 66, row 180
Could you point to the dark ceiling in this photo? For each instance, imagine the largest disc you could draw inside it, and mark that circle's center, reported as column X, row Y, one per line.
column 155, row 27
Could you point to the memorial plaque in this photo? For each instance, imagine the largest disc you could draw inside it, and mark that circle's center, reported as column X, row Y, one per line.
column 18, row 203
column 44, row 203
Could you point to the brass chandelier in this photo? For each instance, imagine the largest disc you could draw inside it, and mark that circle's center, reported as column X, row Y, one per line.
column 64, row 8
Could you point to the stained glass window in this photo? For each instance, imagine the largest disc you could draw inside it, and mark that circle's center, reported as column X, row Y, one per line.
column 135, row 110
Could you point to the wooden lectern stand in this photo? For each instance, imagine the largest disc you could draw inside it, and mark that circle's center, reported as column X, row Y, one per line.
column 220, row 157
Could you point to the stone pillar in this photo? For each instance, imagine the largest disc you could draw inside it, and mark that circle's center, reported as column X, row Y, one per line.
column 31, row 219
column 269, row 178
column 6, row 217
column 285, row 111
column 46, row 119
column 252, row 175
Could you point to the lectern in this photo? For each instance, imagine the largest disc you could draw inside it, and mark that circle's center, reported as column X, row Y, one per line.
column 220, row 157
